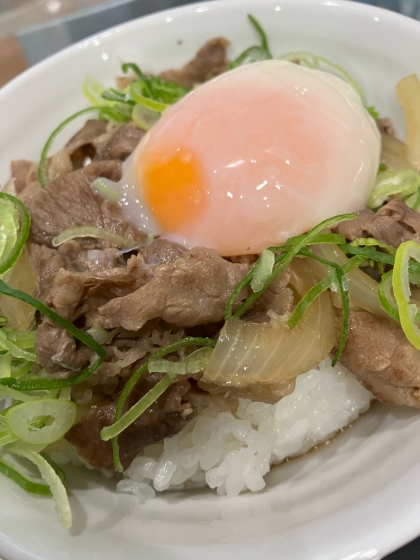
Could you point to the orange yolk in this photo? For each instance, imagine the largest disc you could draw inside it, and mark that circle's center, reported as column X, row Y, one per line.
column 173, row 189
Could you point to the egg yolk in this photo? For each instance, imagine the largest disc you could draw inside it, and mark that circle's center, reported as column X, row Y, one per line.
column 173, row 189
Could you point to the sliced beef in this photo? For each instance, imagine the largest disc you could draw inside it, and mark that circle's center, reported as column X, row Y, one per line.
column 193, row 290
column 393, row 224
column 57, row 350
column 382, row 359
column 161, row 251
column 279, row 297
column 84, row 143
column 46, row 263
column 20, row 171
column 122, row 143
column 70, row 202
column 209, row 61
column 385, row 127
column 165, row 418
column 115, row 221
column 70, row 289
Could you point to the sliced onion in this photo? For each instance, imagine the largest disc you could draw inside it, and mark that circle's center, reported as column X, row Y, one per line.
column 21, row 277
column 248, row 353
column 408, row 93
column 394, row 153
column 363, row 290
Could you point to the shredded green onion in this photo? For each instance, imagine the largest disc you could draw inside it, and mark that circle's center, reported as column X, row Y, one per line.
column 318, row 289
column 262, row 270
column 105, row 190
column 334, row 238
column 25, row 483
column 284, row 260
column 372, row 242
column 193, row 363
column 19, row 241
column 54, row 482
column 113, row 113
column 402, row 182
column 337, row 279
column 49, row 384
column 256, row 53
column 155, row 88
column 122, row 422
column 145, row 118
column 401, row 285
column 96, row 232
column 377, row 256
column 311, row 60
column 372, row 112
column 386, row 297
column 136, row 93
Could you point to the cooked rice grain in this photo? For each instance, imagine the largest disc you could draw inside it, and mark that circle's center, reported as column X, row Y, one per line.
column 233, row 452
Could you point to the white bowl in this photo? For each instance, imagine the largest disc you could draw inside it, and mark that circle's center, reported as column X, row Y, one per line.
column 359, row 497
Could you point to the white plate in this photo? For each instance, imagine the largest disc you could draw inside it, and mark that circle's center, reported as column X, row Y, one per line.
column 359, row 497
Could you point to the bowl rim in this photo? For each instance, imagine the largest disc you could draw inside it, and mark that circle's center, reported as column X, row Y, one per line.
column 64, row 54
column 349, row 6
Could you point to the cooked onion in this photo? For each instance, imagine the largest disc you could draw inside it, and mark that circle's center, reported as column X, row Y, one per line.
column 408, row 93
column 394, row 154
column 363, row 289
column 21, row 277
column 248, row 353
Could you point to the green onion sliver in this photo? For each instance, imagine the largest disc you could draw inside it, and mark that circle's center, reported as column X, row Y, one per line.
column 144, row 118
column 8, row 392
column 42, row 168
column 320, row 239
column 8, row 228
column 25, row 225
column 95, row 232
column 119, row 420
column 49, row 384
column 42, row 421
column 25, row 483
column 262, row 270
column 311, row 60
column 372, row 254
column 261, row 33
column 106, row 191
column 403, row 182
column 283, row 261
column 137, row 410
column 193, row 363
column 343, row 73
column 387, row 299
column 14, row 350
column 372, row 242
column 339, row 279
column 6, row 439
column 256, row 53
column 136, row 93
column 401, row 286
column 54, row 482
column 318, row 289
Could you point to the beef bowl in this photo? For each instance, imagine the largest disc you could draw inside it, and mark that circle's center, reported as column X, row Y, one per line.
column 209, row 257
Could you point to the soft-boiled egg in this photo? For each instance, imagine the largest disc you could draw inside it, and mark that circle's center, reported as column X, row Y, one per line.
column 253, row 157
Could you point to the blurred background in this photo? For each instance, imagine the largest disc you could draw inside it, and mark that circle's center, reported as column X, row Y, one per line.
column 31, row 30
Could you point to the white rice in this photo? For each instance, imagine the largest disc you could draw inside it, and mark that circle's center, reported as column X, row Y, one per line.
column 232, row 452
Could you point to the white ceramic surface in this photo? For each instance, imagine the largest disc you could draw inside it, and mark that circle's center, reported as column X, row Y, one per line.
column 355, row 499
